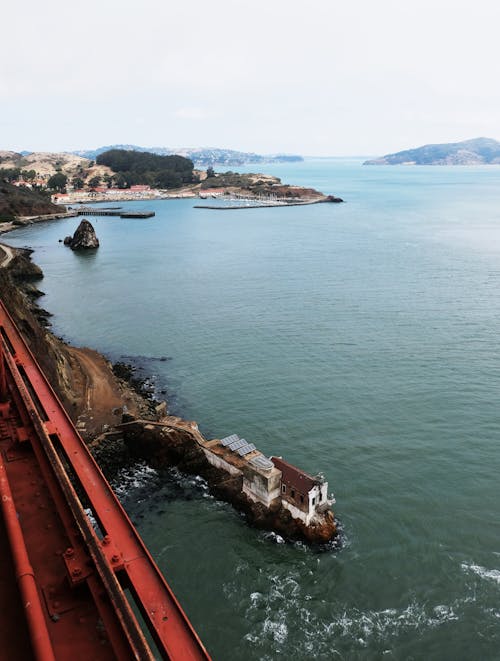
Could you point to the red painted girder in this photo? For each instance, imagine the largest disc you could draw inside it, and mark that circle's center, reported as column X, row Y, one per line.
column 161, row 610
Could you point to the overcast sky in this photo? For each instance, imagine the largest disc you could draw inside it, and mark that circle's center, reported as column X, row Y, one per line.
column 316, row 77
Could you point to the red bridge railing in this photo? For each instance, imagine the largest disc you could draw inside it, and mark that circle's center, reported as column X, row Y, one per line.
column 83, row 580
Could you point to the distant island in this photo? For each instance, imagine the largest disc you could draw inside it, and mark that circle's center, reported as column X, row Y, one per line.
column 201, row 157
column 479, row 151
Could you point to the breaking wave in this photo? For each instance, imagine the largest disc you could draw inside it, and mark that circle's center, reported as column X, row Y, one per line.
column 489, row 574
column 284, row 617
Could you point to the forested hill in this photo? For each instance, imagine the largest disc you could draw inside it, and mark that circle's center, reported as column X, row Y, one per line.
column 478, row 151
column 16, row 201
column 133, row 167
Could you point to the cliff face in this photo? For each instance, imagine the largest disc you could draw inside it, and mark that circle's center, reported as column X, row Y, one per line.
column 82, row 378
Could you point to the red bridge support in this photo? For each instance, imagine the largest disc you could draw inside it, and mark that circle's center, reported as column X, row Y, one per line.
column 80, row 565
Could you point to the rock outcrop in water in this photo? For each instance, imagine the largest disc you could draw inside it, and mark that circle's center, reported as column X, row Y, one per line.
column 84, row 238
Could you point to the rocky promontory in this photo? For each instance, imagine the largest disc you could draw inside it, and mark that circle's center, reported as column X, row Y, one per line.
column 171, row 441
column 121, row 425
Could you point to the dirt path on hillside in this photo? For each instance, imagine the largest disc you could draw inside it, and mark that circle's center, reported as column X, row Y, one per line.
column 103, row 396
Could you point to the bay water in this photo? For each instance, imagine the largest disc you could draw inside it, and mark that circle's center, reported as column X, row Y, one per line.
column 360, row 340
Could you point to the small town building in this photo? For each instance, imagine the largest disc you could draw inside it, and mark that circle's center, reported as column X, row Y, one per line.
column 301, row 494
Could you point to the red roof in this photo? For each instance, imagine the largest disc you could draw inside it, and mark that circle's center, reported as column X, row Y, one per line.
column 294, row 477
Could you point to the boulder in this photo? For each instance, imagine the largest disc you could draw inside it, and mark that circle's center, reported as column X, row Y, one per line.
column 84, row 238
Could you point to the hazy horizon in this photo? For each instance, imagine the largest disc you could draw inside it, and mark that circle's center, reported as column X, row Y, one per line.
column 326, row 80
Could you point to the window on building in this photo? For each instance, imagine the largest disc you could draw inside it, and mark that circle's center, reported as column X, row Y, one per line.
column 283, row 488
column 314, row 501
column 293, row 493
column 320, row 497
column 302, row 499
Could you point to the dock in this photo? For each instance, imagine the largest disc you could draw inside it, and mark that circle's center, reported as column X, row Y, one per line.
column 137, row 214
column 114, row 211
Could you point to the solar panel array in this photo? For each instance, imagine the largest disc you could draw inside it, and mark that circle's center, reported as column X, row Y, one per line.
column 236, row 445
column 239, row 445
column 246, row 449
column 230, row 439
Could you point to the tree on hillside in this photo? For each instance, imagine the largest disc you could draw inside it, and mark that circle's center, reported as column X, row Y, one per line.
column 121, row 182
column 77, row 183
column 94, row 182
column 9, row 174
column 58, row 182
column 28, row 175
column 210, row 172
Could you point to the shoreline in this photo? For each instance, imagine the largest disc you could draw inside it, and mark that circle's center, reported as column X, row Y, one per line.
column 118, row 423
column 23, row 221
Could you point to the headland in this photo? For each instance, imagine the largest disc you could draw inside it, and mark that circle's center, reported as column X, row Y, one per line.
column 121, row 424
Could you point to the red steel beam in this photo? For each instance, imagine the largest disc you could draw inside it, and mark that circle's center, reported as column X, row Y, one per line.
column 33, row 609
column 167, row 622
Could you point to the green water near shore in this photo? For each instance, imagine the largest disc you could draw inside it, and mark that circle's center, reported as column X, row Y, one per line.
column 357, row 339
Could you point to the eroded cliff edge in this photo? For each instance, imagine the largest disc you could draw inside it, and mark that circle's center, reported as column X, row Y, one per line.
column 82, row 378
column 120, row 425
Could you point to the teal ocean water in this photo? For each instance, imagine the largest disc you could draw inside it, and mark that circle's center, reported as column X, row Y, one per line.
column 360, row 340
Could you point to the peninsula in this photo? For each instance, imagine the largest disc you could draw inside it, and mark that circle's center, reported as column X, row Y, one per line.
column 479, row 151
column 122, row 174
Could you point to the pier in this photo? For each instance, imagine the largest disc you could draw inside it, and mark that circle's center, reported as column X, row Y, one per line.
column 114, row 211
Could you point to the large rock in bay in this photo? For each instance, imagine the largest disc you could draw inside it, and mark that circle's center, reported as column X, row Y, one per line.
column 84, row 238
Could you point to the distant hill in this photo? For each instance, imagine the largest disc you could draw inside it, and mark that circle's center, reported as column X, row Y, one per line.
column 201, row 157
column 478, row 151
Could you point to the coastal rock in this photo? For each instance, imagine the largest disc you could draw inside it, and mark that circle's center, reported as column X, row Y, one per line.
column 84, row 238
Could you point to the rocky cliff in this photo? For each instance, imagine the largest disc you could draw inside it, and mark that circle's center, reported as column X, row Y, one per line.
column 82, row 378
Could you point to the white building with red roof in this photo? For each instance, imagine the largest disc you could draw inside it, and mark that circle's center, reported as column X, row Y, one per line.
column 301, row 494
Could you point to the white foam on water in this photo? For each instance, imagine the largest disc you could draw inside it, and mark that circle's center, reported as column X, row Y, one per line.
column 273, row 537
column 489, row 574
column 135, row 477
column 277, row 629
column 281, row 612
